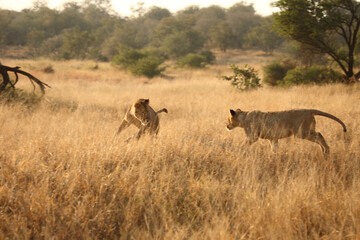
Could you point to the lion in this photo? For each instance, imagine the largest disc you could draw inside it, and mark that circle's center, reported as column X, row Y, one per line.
column 143, row 117
column 276, row 125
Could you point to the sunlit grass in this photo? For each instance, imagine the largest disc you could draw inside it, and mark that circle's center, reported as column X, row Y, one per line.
column 63, row 176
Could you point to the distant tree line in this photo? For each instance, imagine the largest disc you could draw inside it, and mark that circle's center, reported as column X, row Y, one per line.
column 313, row 32
column 92, row 30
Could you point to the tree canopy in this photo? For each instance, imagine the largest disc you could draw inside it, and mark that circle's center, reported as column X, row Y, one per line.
column 328, row 26
column 92, row 29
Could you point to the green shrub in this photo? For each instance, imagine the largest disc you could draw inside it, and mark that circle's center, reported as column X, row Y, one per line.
column 311, row 75
column 209, row 56
column 139, row 62
column 197, row 60
column 192, row 60
column 147, row 66
column 275, row 72
column 246, row 78
column 127, row 56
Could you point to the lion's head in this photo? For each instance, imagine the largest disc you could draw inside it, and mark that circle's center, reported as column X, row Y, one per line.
column 234, row 119
column 141, row 112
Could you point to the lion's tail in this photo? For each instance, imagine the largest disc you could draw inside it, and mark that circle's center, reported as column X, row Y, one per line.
column 324, row 114
column 162, row 110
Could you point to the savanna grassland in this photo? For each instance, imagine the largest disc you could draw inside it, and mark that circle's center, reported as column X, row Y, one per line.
column 63, row 175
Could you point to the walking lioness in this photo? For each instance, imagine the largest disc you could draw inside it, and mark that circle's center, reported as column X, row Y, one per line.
column 143, row 117
column 276, row 125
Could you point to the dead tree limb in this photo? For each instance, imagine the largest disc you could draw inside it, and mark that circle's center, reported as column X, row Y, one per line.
column 16, row 70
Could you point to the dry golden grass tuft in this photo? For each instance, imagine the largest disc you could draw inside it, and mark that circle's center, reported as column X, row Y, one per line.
column 63, row 176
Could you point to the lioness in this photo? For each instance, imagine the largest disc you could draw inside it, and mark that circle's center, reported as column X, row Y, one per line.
column 143, row 117
column 276, row 125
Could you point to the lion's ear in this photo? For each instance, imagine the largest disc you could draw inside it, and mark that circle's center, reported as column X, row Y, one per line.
column 239, row 110
column 146, row 101
column 232, row 112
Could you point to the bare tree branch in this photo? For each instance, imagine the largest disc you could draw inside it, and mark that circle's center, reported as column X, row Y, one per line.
column 16, row 70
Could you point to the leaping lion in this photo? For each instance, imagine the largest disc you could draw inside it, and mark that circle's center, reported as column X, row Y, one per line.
column 276, row 125
column 143, row 117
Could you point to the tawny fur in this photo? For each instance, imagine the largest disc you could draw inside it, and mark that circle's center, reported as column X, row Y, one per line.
column 141, row 115
column 276, row 125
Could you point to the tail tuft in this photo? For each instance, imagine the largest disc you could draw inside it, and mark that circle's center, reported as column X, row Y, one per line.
column 162, row 110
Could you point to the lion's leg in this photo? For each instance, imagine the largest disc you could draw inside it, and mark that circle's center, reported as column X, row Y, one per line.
column 137, row 135
column 157, row 130
column 124, row 124
column 250, row 140
column 274, row 145
column 154, row 129
column 141, row 132
column 319, row 139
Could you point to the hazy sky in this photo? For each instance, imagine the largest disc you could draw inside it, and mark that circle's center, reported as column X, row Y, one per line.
column 123, row 7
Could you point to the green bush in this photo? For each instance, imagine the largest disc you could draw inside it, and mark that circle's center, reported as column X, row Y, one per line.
column 139, row 62
column 246, row 78
column 192, row 60
column 209, row 56
column 127, row 56
column 147, row 66
column 275, row 72
column 311, row 75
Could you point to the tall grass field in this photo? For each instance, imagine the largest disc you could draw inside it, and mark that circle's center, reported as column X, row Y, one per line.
column 63, row 175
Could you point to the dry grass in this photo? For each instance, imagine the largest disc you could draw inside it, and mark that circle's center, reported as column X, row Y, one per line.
column 62, row 176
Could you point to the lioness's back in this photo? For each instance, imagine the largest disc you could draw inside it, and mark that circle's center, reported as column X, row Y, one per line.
column 285, row 121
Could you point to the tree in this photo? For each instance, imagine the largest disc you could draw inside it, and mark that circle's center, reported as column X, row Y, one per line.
column 170, row 25
column 136, row 32
column 329, row 26
column 189, row 10
column 221, row 36
column 207, row 18
column 177, row 37
column 71, row 16
column 52, row 47
column 157, row 13
column 76, row 44
column 104, row 5
column 34, row 41
column 241, row 18
column 264, row 37
column 191, row 41
column 305, row 55
column 5, row 20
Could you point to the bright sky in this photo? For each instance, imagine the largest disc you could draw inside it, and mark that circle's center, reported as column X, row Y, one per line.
column 123, row 7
